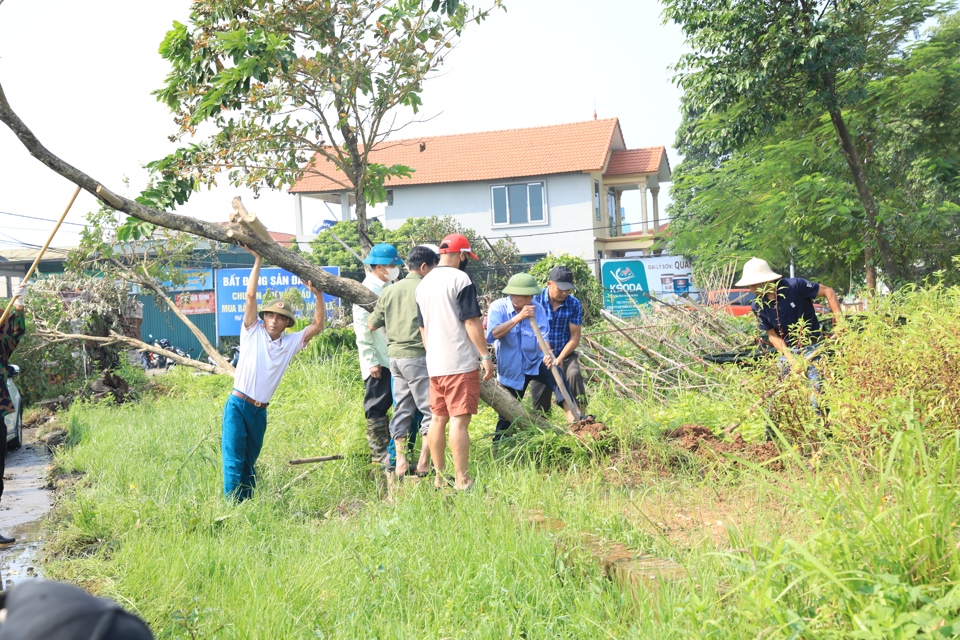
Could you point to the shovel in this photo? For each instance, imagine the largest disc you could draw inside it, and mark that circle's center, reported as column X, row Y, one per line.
column 557, row 374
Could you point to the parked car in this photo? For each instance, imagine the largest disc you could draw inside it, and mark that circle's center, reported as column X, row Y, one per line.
column 14, row 421
column 736, row 302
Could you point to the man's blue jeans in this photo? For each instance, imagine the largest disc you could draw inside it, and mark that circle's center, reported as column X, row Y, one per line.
column 809, row 354
column 243, row 428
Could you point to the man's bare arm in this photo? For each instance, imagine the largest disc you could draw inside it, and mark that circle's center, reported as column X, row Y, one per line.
column 250, row 306
column 778, row 342
column 319, row 316
column 474, row 327
column 832, row 299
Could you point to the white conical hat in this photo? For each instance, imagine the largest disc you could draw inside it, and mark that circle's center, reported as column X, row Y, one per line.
column 756, row 271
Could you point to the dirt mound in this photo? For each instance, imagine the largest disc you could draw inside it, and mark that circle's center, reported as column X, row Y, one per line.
column 701, row 441
column 587, row 429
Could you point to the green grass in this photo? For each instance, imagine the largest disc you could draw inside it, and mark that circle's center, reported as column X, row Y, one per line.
column 858, row 540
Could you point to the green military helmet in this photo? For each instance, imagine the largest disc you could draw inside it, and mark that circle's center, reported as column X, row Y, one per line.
column 522, row 284
column 280, row 308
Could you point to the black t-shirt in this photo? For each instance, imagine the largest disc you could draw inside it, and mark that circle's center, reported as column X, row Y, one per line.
column 793, row 305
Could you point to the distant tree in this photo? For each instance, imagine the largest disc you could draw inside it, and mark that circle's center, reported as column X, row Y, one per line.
column 179, row 174
column 794, row 183
column 755, row 65
column 326, row 250
column 284, row 83
column 589, row 291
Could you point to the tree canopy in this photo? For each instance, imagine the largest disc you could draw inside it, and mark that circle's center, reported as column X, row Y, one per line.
column 272, row 86
column 785, row 112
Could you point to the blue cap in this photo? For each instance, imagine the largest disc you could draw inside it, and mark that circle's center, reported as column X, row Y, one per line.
column 384, row 254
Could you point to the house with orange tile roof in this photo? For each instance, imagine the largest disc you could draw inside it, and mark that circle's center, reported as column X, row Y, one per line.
column 553, row 189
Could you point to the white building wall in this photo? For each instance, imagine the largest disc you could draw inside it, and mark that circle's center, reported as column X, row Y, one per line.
column 568, row 229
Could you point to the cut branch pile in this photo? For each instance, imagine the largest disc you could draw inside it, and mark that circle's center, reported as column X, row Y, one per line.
column 661, row 351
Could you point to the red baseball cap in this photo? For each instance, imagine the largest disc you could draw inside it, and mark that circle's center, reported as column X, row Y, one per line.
column 455, row 243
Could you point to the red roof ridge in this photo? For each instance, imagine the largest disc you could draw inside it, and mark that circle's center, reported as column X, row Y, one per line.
column 381, row 145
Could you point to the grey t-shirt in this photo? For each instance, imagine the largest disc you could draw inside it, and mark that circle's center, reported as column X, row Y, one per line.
column 446, row 298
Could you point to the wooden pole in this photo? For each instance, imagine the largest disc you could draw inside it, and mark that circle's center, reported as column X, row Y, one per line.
column 33, row 267
column 497, row 256
column 545, row 348
column 318, row 459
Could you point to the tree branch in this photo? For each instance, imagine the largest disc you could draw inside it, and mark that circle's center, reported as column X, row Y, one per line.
column 53, row 337
column 344, row 288
column 148, row 283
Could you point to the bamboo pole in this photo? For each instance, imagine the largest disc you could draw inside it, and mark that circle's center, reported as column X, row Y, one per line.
column 503, row 264
column 557, row 374
column 33, row 267
column 318, row 459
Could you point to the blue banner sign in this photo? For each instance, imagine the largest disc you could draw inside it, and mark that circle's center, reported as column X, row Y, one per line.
column 232, row 293
column 626, row 280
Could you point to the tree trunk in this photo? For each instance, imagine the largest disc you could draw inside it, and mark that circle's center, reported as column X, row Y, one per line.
column 874, row 229
column 495, row 395
column 869, row 268
column 350, row 291
column 358, row 178
column 366, row 244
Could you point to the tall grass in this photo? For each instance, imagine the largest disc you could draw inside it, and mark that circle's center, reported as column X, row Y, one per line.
column 882, row 562
column 860, row 542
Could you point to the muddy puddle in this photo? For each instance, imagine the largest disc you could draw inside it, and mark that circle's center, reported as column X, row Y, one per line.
column 25, row 503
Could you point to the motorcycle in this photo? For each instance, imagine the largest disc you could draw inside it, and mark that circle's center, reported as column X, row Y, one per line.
column 165, row 344
column 234, row 357
column 151, row 360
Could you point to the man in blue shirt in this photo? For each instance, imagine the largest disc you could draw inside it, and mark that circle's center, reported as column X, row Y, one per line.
column 784, row 307
column 519, row 359
column 565, row 315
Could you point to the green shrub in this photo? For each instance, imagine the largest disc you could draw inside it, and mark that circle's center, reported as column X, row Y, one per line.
column 332, row 342
column 47, row 371
column 589, row 292
column 905, row 352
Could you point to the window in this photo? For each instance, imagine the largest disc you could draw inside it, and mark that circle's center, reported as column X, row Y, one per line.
column 612, row 211
column 530, row 258
column 515, row 204
column 389, row 197
column 596, row 199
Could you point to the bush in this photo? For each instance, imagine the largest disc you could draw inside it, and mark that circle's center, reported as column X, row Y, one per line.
column 47, row 371
column 589, row 292
column 488, row 275
column 905, row 353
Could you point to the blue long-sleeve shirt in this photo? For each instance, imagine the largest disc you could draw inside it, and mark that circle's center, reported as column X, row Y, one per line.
column 518, row 353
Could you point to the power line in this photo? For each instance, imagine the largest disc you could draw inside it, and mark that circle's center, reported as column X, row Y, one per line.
column 20, row 215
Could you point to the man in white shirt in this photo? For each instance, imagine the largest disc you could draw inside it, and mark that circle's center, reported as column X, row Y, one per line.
column 374, row 359
column 449, row 317
column 265, row 353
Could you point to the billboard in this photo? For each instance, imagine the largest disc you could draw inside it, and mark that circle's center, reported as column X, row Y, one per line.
column 232, row 292
column 196, row 303
column 625, row 280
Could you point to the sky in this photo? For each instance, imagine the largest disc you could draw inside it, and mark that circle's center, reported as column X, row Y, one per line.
column 80, row 75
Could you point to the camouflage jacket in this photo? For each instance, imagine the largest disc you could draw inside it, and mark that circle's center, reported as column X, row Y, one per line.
column 10, row 333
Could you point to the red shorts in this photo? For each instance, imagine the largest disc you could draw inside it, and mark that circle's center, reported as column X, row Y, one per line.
column 455, row 395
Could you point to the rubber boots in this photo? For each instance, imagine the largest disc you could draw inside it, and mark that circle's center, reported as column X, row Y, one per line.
column 378, row 437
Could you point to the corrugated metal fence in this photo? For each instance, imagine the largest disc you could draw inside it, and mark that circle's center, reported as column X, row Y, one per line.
column 161, row 322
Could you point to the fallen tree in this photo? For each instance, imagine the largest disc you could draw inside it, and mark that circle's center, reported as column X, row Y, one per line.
column 244, row 230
